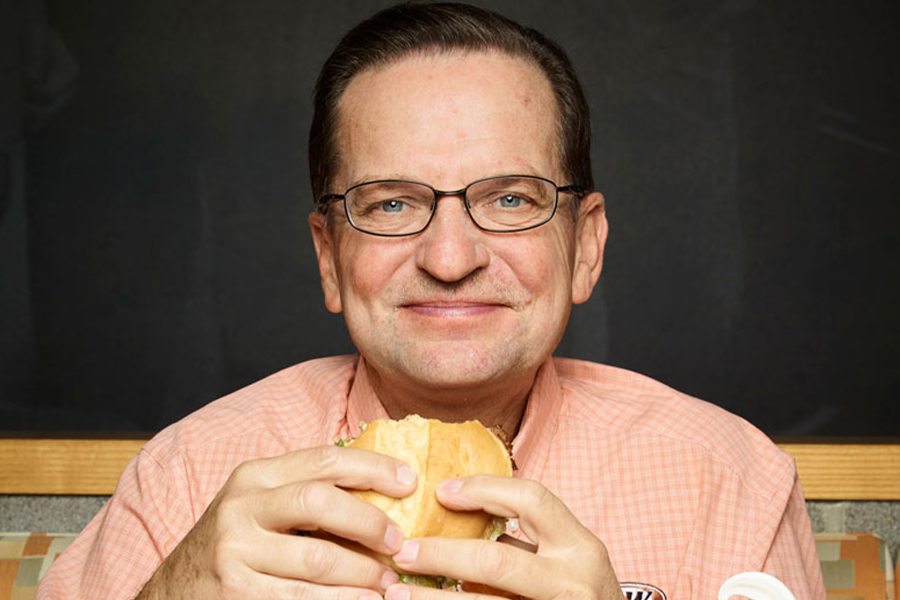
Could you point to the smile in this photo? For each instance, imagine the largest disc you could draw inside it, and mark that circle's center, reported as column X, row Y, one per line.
column 452, row 310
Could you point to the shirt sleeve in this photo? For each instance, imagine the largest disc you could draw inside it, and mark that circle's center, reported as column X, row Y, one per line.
column 792, row 556
column 125, row 542
column 753, row 519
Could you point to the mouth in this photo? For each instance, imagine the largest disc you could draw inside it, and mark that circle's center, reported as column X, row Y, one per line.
column 452, row 309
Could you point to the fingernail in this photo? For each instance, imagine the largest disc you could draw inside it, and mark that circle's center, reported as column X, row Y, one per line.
column 393, row 538
column 398, row 592
column 450, row 486
column 405, row 474
column 388, row 579
column 408, row 552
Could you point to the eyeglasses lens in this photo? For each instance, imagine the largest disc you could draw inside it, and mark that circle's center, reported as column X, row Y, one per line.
column 497, row 204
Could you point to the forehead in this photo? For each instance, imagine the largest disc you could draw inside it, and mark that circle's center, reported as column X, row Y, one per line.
column 449, row 117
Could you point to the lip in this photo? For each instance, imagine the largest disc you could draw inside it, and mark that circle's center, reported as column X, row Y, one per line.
column 452, row 309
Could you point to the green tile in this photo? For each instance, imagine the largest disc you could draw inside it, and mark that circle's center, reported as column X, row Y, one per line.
column 29, row 571
column 839, row 574
column 828, row 551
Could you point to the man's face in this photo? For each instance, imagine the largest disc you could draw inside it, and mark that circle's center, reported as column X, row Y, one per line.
column 454, row 306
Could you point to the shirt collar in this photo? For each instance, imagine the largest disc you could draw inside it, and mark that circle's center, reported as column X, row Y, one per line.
column 363, row 405
column 531, row 444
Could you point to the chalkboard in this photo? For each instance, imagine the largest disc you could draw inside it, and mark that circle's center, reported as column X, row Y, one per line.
column 154, row 253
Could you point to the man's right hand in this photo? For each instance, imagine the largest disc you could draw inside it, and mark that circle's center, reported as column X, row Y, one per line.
column 246, row 544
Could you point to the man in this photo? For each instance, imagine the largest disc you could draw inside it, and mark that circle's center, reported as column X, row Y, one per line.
column 456, row 300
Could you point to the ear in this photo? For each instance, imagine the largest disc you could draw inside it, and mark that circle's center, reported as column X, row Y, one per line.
column 590, row 240
column 323, row 240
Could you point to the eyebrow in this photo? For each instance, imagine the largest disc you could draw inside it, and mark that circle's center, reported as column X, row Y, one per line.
column 367, row 178
column 405, row 177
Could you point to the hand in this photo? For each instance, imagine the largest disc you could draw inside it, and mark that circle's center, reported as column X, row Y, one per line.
column 570, row 562
column 245, row 545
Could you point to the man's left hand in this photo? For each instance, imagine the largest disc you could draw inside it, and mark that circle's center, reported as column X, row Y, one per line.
column 570, row 562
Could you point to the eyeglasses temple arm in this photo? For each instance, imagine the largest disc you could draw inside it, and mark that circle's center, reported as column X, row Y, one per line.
column 322, row 203
column 572, row 189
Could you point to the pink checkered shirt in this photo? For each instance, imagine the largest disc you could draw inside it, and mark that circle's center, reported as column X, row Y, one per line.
column 683, row 494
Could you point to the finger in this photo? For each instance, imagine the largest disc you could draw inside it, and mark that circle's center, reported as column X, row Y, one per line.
column 500, row 566
column 276, row 588
column 243, row 582
column 318, row 561
column 346, row 467
column 415, row 592
column 314, row 505
column 486, row 590
column 543, row 518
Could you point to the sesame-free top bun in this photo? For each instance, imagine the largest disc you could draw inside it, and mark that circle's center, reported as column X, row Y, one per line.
column 436, row 451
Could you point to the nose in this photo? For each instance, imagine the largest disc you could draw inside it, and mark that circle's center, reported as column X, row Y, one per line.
column 451, row 246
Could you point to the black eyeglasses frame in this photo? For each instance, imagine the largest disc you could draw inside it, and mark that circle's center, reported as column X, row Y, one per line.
column 323, row 202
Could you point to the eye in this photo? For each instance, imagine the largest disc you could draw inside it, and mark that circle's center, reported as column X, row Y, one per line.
column 392, row 206
column 510, row 201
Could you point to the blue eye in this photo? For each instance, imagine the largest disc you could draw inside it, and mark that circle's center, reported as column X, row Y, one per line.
column 392, row 206
column 509, row 201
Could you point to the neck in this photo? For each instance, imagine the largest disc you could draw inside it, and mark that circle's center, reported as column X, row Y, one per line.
column 495, row 404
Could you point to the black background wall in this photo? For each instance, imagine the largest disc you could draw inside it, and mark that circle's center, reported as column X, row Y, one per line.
column 154, row 252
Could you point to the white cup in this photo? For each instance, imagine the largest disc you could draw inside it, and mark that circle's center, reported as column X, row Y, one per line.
column 755, row 586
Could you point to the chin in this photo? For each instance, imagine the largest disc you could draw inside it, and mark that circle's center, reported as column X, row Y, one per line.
column 447, row 369
column 443, row 363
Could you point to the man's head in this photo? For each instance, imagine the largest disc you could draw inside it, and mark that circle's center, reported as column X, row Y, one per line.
column 420, row 29
column 452, row 307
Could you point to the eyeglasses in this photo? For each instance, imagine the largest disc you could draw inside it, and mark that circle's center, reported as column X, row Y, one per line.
column 502, row 204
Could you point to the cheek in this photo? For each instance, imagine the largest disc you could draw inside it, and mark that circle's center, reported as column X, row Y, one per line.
column 366, row 270
column 545, row 271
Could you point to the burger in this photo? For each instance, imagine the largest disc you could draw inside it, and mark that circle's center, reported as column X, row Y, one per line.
column 436, row 451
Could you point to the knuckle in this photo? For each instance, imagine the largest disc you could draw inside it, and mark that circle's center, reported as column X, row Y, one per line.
column 286, row 589
column 308, row 498
column 294, row 591
column 230, row 511
column 229, row 504
column 536, row 495
column 372, row 521
column 477, row 479
column 599, row 552
column 318, row 562
column 367, row 530
column 299, row 591
column 330, row 593
column 588, row 548
column 495, row 562
column 222, row 556
column 233, row 583
column 246, row 473
column 321, row 458
column 381, row 465
column 386, row 464
column 227, row 515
